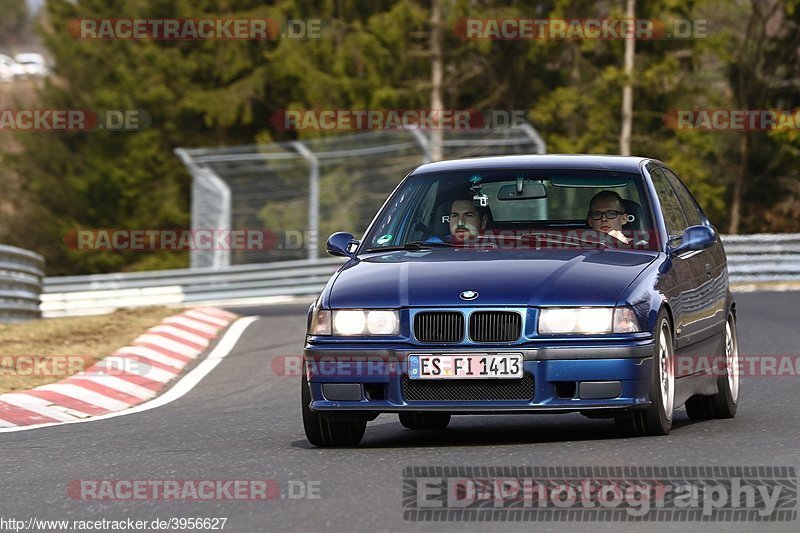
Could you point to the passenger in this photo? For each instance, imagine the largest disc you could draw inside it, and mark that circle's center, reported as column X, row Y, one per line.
column 607, row 214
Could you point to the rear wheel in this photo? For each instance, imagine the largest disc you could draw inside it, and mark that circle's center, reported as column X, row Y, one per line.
column 723, row 404
column 425, row 420
column 657, row 418
column 323, row 432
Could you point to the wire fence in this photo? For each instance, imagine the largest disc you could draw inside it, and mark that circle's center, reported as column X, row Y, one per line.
column 303, row 191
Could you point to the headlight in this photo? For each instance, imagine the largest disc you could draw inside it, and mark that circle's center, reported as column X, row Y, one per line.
column 587, row 320
column 382, row 322
column 362, row 322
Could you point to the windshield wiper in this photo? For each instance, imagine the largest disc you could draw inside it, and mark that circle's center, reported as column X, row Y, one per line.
column 413, row 245
column 564, row 239
column 601, row 242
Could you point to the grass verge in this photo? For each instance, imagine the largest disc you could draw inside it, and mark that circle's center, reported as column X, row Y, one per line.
column 45, row 351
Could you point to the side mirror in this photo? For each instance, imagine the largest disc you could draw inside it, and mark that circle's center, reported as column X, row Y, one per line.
column 341, row 244
column 696, row 238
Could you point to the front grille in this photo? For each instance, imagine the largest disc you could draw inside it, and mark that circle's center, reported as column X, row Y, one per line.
column 439, row 326
column 495, row 326
column 467, row 390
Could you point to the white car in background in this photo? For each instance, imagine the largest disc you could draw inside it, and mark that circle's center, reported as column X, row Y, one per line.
column 32, row 64
column 9, row 69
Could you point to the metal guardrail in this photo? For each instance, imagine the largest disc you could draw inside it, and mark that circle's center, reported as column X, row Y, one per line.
column 763, row 257
column 751, row 258
column 21, row 273
column 101, row 293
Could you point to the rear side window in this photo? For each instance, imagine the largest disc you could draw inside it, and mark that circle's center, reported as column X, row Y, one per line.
column 690, row 208
column 670, row 204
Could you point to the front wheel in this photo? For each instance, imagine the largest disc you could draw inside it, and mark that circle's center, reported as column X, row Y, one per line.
column 657, row 418
column 723, row 404
column 322, row 432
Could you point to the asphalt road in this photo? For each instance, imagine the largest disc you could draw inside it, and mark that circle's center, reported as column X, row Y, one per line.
column 243, row 422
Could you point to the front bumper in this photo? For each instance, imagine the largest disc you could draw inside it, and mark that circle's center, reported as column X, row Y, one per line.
column 565, row 379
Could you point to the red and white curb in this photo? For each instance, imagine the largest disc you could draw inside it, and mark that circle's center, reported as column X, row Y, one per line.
column 130, row 376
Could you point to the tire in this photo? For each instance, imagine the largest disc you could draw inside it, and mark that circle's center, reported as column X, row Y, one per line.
column 322, row 432
column 657, row 418
column 425, row 420
column 630, row 426
column 699, row 408
column 724, row 403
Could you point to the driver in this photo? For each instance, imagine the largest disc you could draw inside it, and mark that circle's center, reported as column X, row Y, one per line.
column 467, row 220
column 607, row 214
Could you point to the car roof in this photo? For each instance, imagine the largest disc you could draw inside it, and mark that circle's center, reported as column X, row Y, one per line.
column 571, row 161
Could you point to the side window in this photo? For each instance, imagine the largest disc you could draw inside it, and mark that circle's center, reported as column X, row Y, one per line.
column 420, row 227
column 395, row 217
column 670, row 204
column 690, row 207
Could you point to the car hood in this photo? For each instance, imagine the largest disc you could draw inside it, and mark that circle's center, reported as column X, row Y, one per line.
column 501, row 278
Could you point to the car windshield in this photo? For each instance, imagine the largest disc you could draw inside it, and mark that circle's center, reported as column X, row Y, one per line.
column 515, row 208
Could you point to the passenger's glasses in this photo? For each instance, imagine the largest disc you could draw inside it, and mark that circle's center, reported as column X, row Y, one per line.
column 611, row 215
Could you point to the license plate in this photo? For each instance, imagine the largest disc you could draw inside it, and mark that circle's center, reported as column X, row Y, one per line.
column 465, row 366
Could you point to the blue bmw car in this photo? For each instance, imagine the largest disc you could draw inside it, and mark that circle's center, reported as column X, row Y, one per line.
column 525, row 284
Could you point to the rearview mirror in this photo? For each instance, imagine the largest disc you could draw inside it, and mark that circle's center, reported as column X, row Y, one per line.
column 530, row 190
column 696, row 238
column 341, row 244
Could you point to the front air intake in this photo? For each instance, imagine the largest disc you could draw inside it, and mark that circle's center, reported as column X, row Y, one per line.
column 495, row 326
column 439, row 326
